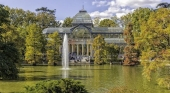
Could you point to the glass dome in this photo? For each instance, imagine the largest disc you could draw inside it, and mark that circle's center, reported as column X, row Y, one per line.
column 82, row 17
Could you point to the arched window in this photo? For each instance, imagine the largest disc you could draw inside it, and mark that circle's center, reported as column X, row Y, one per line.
column 81, row 32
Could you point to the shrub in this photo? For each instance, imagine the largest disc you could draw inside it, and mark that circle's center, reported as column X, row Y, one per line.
column 57, row 86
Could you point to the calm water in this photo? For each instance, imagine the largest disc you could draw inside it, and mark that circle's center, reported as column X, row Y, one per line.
column 97, row 79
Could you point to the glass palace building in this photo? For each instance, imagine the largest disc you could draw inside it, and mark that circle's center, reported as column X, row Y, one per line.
column 82, row 33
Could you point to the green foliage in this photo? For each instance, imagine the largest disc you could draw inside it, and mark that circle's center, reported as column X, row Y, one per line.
column 107, row 23
column 46, row 18
column 134, row 22
column 33, row 43
column 57, row 86
column 130, row 53
column 4, row 14
column 96, row 21
column 8, row 53
column 165, row 82
column 100, row 50
column 53, row 44
column 67, row 22
column 8, row 57
column 113, row 51
column 163, row 5
column 153, row 42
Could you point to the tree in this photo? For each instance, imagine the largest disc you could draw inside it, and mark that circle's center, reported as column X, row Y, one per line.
column 67, row 22
column 107, row 23
column 3, row 19
column 130, row 53
column 46, row 18
column 53, row 45
column 8, row 58
column 133, row 22
column 100, row 51
column 163, row 5
column 16, row 31
column 116, row 20
column 154, row 42
column 8, row 52
column 124, row 20
column 96, row 21
column 33, row 44
column 113, row 51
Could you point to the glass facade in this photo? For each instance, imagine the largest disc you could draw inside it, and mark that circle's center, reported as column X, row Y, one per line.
column 82, row 33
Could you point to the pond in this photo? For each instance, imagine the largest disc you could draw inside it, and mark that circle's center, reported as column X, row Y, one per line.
column 96, row 78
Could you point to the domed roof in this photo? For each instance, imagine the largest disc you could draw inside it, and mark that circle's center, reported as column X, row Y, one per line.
column 82, row 17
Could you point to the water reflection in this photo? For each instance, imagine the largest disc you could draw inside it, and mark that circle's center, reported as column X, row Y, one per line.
column 65, row 73
column 97, row 79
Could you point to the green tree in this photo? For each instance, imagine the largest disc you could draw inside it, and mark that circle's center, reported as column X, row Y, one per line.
column 8, row 52
column 67, row 22
column 99, row 46
column 3, row 19
column 96, row 21
column 19, row 20
column 107, row 23
column 33, row 44
column 113, row 51
column 154, row 42
column 46, row 18
column 53, row 44
column 163, row 5
column 116, row 20
column 133, row 22
column 124, row 20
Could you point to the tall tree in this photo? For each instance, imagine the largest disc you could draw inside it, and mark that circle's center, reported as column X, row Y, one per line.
column 96, row 21
column 124, row 20
column 53, row 45
column 67, row 22
column 19, row 19
column 107, row 23
column 46, row 18
column 130, row 53
column 100, row 50
column 33, row 44
column 163, row 5
column 113, row 51
column 8, row 52
column 154, row 42
column 116, row 20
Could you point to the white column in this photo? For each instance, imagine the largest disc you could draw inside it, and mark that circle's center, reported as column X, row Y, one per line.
column 77, row 49
column 82, row 49
column 69, row 45
column 87, row 49
column 72, row 48
column 91, row 50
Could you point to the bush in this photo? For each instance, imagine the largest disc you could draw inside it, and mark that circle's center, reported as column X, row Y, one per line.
column 57, row 86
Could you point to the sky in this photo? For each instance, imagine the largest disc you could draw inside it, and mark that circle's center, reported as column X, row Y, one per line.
column 96, row 8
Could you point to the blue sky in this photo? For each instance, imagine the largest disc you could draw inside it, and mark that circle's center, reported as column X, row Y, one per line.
column 96, row 8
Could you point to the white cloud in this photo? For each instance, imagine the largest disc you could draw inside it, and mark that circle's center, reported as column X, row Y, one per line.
column 121, row 7
column 61, row 21
column 104, row 14
column 99, row 3
column 137, row 3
